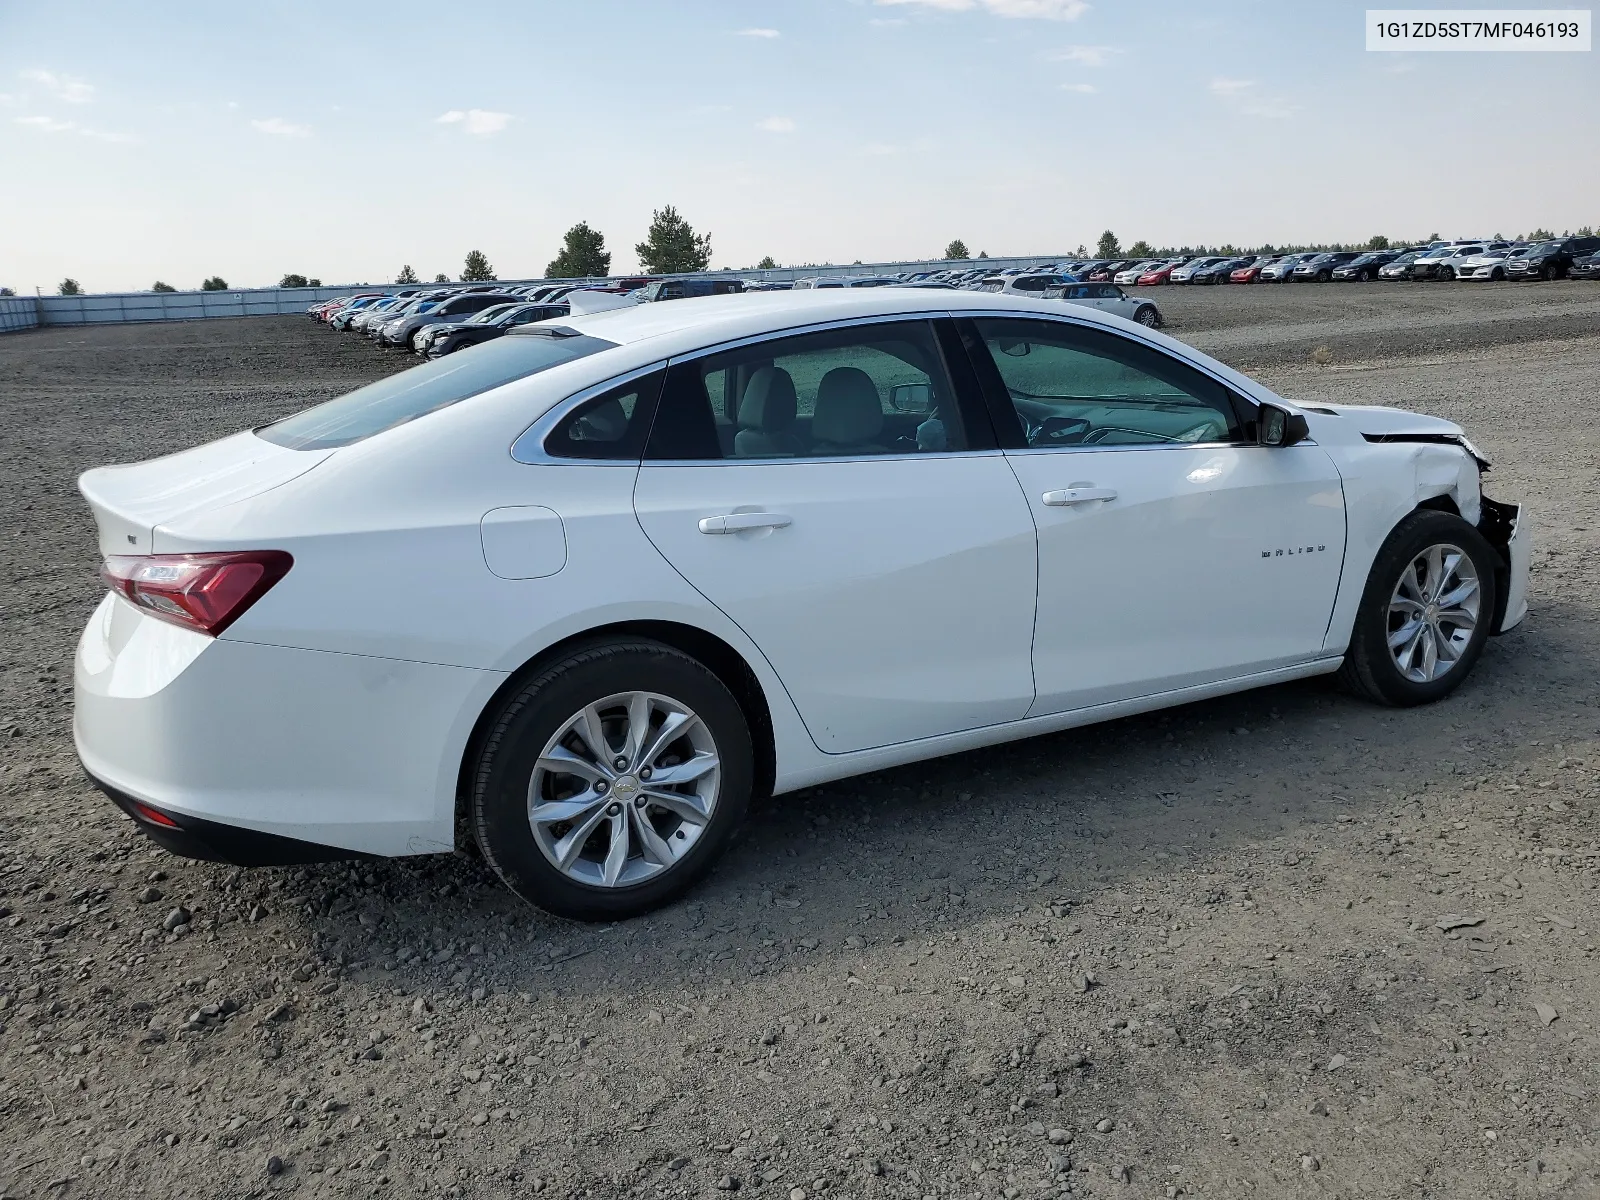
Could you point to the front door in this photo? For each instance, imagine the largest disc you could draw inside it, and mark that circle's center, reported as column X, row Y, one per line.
column 1171, row 552
column 823, row 491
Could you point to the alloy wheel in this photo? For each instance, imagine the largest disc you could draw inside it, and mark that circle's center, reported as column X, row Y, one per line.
column 1433, row 612
column 624, row 789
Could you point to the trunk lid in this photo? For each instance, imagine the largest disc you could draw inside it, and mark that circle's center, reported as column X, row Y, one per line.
column 131, row 499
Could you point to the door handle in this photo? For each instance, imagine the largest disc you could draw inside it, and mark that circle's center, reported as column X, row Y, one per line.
column 739, row 522
column 1067, row 497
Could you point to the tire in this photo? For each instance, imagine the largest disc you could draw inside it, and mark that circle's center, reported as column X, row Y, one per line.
column 1497, row 276
column 1446, row 273
column 546, row 716
column 1324, row 276
column 1149, row 316
column 1370, row 668
column 1365, row 276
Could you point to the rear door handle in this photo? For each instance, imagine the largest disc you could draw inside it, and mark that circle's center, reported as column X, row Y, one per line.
column 739, row 522
column 1067, row 497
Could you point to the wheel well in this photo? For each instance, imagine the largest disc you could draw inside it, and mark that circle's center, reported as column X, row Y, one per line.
column 726, row 663
column 1443, row 503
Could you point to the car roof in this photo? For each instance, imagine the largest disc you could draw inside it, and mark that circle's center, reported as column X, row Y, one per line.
column 693, row 323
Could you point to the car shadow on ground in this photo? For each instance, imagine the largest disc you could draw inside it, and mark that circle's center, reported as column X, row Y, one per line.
column 933, row 848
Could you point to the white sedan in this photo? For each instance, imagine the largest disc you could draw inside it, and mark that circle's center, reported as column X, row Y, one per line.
column 579, row 593
column 1108, row 297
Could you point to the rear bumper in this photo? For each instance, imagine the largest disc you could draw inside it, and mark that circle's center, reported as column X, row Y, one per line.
column 213, row 841
column 344, row 752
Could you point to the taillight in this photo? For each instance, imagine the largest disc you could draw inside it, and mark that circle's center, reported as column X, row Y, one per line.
column 204, row 592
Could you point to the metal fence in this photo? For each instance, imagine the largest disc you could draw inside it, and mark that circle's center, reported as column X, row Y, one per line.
column 27, row 312
column 18, row 312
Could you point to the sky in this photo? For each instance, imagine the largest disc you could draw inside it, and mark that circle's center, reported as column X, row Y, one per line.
column 177, row 140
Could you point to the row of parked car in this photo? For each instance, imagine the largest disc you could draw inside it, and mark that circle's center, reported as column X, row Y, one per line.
column 437, row 320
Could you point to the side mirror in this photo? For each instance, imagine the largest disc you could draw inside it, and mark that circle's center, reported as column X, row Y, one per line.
column 1278, row 427
column 911, row 398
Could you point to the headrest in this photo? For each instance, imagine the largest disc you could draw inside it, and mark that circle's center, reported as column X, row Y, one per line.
column 848, row 408
column 769, row 401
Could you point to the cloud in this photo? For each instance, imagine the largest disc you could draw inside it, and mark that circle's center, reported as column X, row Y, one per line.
column 1087, row 89
column 278, row 127
column 479, row 122
column 1089, row 56
column 51, row 125
column 46, row 124
column 1241, row 94
column 1231, row 87
column 1046, row 10
column 106, row 135
column 62, row 87
column 776, row 125
column 758, row 33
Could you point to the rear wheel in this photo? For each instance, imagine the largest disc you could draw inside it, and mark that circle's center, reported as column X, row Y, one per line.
column 1324, row 276
column 612, row 781
column 1447, row 273
column 1425, row 613
column 1496, row 275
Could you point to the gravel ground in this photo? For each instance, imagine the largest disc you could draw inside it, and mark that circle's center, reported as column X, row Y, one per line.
column 1281, row 944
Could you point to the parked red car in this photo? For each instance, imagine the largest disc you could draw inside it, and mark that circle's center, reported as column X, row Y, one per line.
column 1157, row 275
column 1250, row 272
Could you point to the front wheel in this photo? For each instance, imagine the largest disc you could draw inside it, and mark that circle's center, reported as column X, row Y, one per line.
column 612, row 781
column 1148, row 316
column 1425, row 613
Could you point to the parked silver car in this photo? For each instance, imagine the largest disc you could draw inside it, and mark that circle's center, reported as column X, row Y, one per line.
column 1108, row 297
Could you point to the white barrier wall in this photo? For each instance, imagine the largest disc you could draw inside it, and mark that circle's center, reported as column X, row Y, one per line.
column 27, row 312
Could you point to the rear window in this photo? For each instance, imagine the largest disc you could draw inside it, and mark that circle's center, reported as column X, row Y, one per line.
column 428, row 388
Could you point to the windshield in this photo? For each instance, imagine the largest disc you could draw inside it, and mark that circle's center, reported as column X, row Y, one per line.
column 415, row 393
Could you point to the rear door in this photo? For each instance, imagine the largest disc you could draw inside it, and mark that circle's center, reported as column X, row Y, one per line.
column 858, row 523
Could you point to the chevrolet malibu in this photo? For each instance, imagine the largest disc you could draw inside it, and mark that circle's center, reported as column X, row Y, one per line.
column 581, row 592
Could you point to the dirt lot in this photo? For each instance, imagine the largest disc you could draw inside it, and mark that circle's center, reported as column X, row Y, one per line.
column 1283, row 944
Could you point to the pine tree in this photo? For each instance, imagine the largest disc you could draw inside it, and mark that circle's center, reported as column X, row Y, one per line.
column 69, row 287
column 477, row 268
column 956, row 249
column 766, row 263
column 5, row 291
column 583, row 255
column 162, row 287
column 407, row 275
column 671, row 246
column 1140, row 249
column 1108, row 246
column 215, row 284
column 983, row 254
column 1377, row 242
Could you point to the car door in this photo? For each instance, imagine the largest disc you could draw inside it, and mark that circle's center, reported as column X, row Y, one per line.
column 828, row 492
column 1173, row 551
